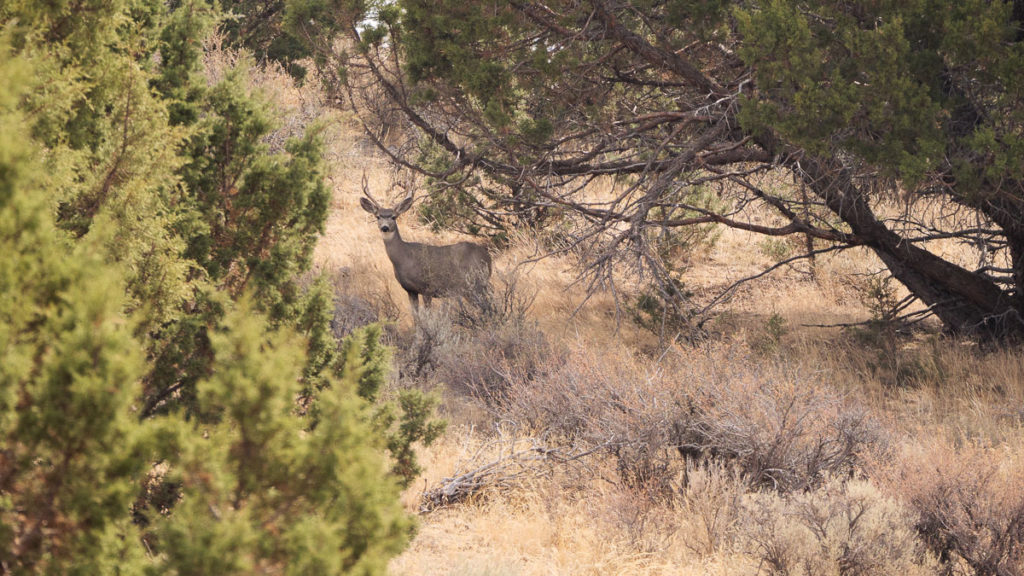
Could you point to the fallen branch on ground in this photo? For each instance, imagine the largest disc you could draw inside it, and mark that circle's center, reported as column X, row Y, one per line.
column 521, row 459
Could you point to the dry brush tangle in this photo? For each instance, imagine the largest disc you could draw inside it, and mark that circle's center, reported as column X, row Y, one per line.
column 782, row 431
column 967, row 502
column 785, row 430
column 504, row 463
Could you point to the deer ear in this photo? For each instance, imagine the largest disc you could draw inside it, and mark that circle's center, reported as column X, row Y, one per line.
column 404, row 205
column 368, row 205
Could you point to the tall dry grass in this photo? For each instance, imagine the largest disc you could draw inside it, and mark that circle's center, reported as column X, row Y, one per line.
column 775, row 446
column 872, row 488
column 772, row 448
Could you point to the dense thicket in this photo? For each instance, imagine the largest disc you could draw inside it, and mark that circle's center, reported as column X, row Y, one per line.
column 899, row 124
column 154, row 337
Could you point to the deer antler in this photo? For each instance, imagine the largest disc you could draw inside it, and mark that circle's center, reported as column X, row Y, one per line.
column 366, row 191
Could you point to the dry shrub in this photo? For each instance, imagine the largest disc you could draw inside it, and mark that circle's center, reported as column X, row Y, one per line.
column 646, row 524
column 783, row 429
column 846, row 528
column 355, row 303
column 473, row 349
column 923, row 361
column 949, row 384
column 504, row 301
column 496, row 357
column 969, row 504
column 579, row 398
column 786, row 430
column 431, row 343
column 711, row 502
column 482, row 567
column 505, row 461
column 497, row 343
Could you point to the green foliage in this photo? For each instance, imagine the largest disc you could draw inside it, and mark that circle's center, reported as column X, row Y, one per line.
column 414, row 423
column 440, row 37
column 235, row 215
column 248, row 217
column 875, row 85
column 314, row 323
column 179, row 78
column 258, row 493
column 706, row 16
column 154, row 336
column 881, row 299
column 364, row 360
column 775, row 248
column 402, row 424
column 769, row 341
column 448, row 207
column 110, row 150
column 69, row 368
column 663, row 309
column 259, row 26
column 257, row 214
column 307, row 19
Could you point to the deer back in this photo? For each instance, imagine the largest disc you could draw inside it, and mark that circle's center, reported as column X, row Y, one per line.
column 440, row 270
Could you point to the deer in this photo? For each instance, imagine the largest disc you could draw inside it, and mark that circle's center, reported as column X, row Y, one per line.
column 425, row 270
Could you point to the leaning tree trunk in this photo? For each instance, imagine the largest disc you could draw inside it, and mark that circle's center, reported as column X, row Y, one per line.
column 1006, row 210
column 966, row 302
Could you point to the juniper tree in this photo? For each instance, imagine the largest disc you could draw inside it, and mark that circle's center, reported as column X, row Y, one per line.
column 70, row 448
column 109, row 311
column 259, row 490
column 884, row 114
column 258, row 25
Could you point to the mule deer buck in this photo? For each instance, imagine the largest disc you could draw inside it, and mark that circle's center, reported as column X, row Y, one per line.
column 461, row 269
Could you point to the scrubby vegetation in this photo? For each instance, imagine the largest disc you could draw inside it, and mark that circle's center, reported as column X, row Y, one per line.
column 766, row 446
column 172, row 399
column 204, row 367
column 717, row 457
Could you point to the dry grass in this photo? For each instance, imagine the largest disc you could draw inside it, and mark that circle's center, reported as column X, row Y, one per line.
column 938, row 425
column 591, row 520
column 967, row 501
column 610, row 516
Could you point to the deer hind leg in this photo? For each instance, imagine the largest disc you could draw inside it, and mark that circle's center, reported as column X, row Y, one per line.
column 427, row 300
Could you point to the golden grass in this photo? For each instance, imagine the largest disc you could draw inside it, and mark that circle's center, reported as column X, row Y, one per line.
column 921, row 389
column 541, row 530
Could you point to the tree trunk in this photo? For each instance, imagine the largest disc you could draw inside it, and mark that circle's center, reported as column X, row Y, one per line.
column 966, row 302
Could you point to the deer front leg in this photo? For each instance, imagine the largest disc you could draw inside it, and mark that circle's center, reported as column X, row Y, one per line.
column 414, row 301
column 427, row 300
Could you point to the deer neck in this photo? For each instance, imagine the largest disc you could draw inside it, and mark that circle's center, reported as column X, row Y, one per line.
column 393, row 243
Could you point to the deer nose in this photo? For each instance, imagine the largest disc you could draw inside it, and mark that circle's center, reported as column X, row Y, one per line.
column 385, row 228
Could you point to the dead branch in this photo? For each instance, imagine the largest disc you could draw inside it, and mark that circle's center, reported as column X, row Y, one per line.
column 521, row 460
